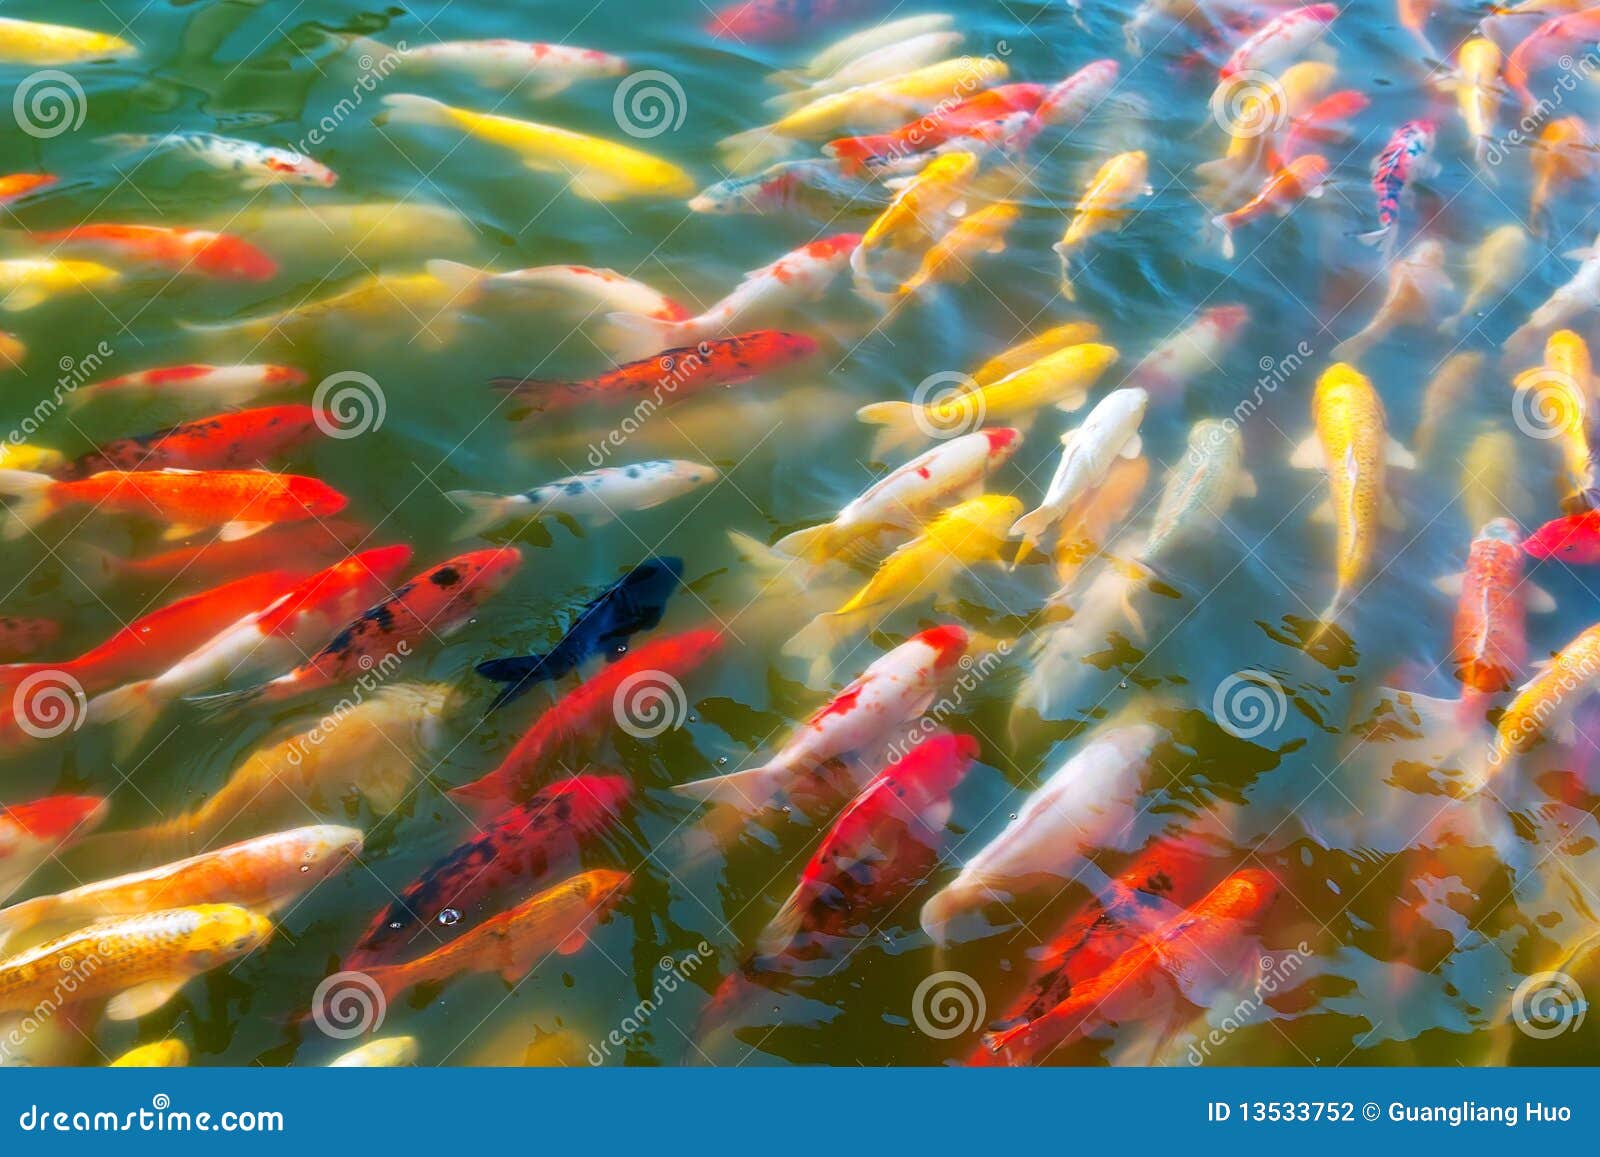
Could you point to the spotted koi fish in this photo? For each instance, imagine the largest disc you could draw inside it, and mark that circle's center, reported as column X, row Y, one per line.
column 518, row 849
column 1406, row 158
column 257, row 165
column 726, row 361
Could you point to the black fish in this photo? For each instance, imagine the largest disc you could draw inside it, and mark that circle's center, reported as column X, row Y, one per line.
column 633, row 603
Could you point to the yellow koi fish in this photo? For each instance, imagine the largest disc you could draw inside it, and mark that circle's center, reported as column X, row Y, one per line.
column 32, row 43
column 950, row 258
column 141, row 962
column 390, row 1052
column 1496, row 265
column 24, row 456
column 1476, row 84
column 431, row 302
column 1563, row 152
column 970, row 532
column 262, row 874
column 598, row 169
column 1061, row 379
column 918, row 211
column 1490, row 486
column 882, row 104
column 1055, row 338
column 1101, row 209
column 1555, row 399
column 1352, row 444
column 26, row 282
column 1543, row 706
column 162, row 1054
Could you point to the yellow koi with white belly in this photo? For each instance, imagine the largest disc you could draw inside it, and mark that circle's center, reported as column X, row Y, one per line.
column 600, row 170
column 429, row 302
column 1495, row 265
column 1556, row 398
column 882, row 104
column 1102, row 207
column 32, row 43
column 1476, row 84
column 969, row 532
column 1058, row 337
column 1061, row 379
column 162, row 1054
column 26, row 282
column 949, row 259
column 1353, row 445
column 140, row 962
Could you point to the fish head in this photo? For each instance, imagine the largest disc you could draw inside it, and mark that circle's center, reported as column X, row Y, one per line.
column 486, row 570
column 1502, row 530
column 378, row 565
column 692, row 648
column 57, row 818
column 286, row 376
column 947, row 641
column 1572, row 538
column 788, row 346
column 605, row 888
column 221, row 933
column 1228, row 320
column 317, row 497
column 234, row 259
column 1003, row 442
column 325, row 848
column 302, row 170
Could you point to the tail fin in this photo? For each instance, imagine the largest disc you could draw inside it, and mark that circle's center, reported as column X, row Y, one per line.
column 33, row 491
column 518, row 673
column 1329, row 618
column 1062, row 252
column 901, row 429
column 21, row 917
column 1220, row 222
column 408, row 108
column 1353, row 347
column 1381, row 239
column 133, row 707
column 1032, row 526
column 748, row 791
column 816, row 641
column 484, row 510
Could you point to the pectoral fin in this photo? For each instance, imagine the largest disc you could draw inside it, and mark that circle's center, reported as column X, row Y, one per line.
column 1245, row 485
column 1322, row 513
column 143, row 999
column 1309, row 455
column 234, row 531
column 1133, row 447
column 1449, row 584
column 1399, row 457
column 1540, row 601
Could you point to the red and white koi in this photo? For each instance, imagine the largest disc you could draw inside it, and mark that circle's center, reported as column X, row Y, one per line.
column 31, row 833
column 217, row 385
column 1285, row 35
column 536, row 68
column 1166, row 371
column 577, row 287
column 1070, row 101
column 1301, row 178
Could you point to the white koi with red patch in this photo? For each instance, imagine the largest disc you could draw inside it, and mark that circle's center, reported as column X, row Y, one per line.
column 1285, row 35
column 538, row 68
column 215, row 384
column 894, row 690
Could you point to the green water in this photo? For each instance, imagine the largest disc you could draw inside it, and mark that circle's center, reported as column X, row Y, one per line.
column 1408, row 960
